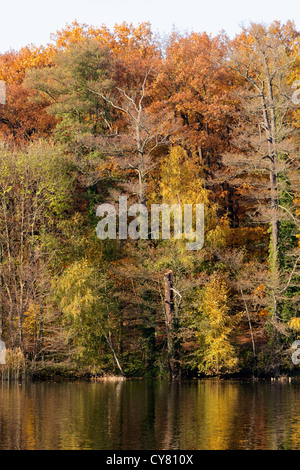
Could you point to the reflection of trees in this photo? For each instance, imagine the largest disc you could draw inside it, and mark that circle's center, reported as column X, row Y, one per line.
column 151, row 415
column 17, row 423
column 207, row 418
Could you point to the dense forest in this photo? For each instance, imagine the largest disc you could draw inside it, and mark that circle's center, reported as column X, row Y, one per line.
column 184, row 119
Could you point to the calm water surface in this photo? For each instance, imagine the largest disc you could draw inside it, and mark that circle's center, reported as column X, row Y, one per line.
column 150, row 415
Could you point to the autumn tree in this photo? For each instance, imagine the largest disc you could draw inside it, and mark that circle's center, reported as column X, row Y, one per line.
column 182, row 183
column 216, row 351
column 146, row 133
column 264, row 57
column 83, row 292
column 22, row 119
column 101, row 97
column 35, row 188
column 194, row 83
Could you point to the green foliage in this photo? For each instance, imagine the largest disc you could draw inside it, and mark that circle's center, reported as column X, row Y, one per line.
column 83, row 67
column 84, row 298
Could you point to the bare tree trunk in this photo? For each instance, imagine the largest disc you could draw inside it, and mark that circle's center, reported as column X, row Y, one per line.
column 109, row 342
column 250, row 324
column 1, row 302
column 169, row 314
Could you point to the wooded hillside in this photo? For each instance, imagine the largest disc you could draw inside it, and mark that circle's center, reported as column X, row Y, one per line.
column 191, row 119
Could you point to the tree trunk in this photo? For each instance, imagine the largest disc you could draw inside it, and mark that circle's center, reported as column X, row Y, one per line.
column 169, row 314
column 109, row 342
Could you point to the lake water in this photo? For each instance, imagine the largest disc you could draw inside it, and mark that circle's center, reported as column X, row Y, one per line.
column 150, row 415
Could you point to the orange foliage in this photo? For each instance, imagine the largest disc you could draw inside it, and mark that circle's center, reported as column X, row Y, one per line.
column 194, row 82
column 21, row 119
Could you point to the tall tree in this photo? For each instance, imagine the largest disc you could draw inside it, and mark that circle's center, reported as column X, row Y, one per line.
column 264, row 57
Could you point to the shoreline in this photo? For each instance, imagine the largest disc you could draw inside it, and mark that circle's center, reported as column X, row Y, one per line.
column 63, row 373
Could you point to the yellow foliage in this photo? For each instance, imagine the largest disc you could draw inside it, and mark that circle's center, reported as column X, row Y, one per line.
column 294, row 324
column 78, row 289
column 180, row 180
column 181, row 183
column 29, row 320
column 219, row 235
column 218, row 354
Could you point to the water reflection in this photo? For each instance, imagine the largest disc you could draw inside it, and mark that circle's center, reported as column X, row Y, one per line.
column 150, row 415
